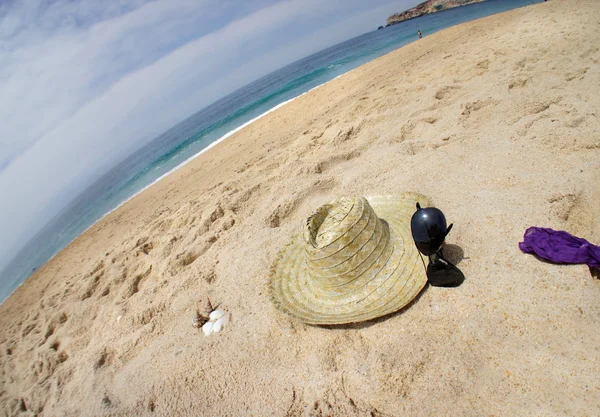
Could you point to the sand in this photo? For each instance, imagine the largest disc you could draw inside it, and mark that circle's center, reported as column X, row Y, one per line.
column 496, row 120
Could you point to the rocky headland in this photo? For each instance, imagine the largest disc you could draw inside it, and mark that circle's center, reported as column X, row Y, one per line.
column 427, row 7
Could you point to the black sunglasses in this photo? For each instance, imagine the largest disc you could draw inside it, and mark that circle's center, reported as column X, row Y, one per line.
column 429, row 230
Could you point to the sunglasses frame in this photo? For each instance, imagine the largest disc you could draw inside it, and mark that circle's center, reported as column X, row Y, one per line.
column 440, row 271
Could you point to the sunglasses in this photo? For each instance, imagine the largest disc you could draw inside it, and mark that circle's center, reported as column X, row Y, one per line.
column 429, row 230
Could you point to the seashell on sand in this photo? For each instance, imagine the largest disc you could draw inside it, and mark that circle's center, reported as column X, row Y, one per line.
column 218, row 326
column 217, row 314
column 208, row 328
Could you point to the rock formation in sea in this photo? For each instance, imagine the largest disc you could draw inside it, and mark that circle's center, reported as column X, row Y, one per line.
column 427, row 7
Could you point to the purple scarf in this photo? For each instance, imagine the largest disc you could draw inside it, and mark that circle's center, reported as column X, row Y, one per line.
column 560, row 247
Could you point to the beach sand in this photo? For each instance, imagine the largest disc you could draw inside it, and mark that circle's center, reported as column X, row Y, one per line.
column 496, row 120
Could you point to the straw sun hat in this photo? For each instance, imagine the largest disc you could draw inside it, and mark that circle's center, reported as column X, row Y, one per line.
column 355, row 260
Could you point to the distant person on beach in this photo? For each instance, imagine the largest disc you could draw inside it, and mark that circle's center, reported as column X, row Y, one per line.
column 420, row 34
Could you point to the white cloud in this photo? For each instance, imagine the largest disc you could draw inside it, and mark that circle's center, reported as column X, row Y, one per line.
column 84, row 84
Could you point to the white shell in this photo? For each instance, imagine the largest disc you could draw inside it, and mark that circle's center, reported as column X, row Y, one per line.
column 216, row 315
column 208, row 328
column 218, row 325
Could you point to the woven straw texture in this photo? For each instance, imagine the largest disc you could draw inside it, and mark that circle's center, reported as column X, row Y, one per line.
column 355, row 260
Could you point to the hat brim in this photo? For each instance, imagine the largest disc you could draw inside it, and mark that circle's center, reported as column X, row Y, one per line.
column 293, row 292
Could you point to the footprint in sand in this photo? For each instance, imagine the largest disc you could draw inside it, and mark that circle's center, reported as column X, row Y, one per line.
column 348, row 134
column 104, row 358
column 146, row 248
column 537, row 107
column 47, row 363
column 211, row 216
column 289, row 204
column 483, row 66
column 134, row 285
column 53, row 325
column 518, row 82
column 331, row 161
column 577, row 75
column 414, row 130
column 285, row 207
column 146, row 316
column 187, row 258
column 217, row 221
column 91, row 286
column 469, row 108
column 445, row 92
column 243, row 198
column 563, row 204
column 92, row 280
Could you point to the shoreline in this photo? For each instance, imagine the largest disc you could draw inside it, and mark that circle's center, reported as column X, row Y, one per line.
column 181, row 165
column 494, row 119
column 213, row 144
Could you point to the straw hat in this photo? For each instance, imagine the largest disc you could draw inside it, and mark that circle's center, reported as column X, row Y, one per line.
column 355, row 260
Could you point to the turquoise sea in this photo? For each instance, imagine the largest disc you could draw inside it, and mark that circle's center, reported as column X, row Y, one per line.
column 216, row 122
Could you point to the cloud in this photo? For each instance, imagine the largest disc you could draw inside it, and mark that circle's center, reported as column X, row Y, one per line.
column 84, row 83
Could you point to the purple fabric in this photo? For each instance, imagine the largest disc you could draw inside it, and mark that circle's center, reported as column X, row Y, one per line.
column 560, row 247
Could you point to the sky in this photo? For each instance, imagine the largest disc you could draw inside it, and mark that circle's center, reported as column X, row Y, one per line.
column 84, row 83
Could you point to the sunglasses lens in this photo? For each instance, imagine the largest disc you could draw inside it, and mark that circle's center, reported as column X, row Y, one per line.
column 441, row 273
column 429, row 229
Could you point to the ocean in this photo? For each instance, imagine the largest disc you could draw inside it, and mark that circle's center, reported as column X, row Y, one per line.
column 220, row 120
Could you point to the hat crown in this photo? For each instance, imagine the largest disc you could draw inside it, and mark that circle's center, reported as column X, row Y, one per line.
column 331, row 221
column 343, row 240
